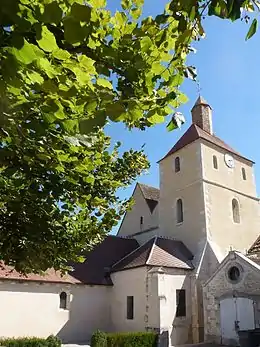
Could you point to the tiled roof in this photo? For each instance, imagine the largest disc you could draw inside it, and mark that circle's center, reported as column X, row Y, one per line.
column 157, row 252
column 255, row 248
column 8, row 273
column 149, row 192
column 193, row 133
column 94, row 270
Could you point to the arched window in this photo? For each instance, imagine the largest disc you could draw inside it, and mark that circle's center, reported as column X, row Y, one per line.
column 215, row 162
column 177, row 164
column 235, row 211
column 179, row 211
column 243, row 173
column 63, row 300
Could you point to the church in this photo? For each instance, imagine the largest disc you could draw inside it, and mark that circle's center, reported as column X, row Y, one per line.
column 185, row 262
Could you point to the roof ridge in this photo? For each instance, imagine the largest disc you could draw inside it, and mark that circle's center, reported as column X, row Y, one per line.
column 128, row 254
column 151, row 250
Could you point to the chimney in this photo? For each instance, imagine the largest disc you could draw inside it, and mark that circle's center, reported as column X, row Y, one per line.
column 202, row 115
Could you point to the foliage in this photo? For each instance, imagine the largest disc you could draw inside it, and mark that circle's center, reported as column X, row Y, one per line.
column 67, row 67
column 132, row 339
column 98, row 339
column 51, row 341
column 128, row 339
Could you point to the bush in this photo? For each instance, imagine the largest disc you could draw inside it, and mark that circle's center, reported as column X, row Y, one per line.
column 132, row 339
column 51, row 341
column 99, row 339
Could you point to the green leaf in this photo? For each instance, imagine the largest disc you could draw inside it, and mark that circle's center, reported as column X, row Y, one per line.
column 35, row 77
column 146, row 44
column 70, row 125
column 73, row 31
column 81, row 12
column 126, row 4
column 155, row 118
column 218, row 8
column 183, row 98
column 97, row 3
column 52, row 13
column 25, row 54
column 87, row 63
column 104, row 83
column 46, row 67
column 61, row 54
column 46, row 40
column 252, row 29
column 171, row 125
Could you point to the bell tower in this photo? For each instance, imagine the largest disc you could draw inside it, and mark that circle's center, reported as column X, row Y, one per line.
column 207, row 191
column 202, row 115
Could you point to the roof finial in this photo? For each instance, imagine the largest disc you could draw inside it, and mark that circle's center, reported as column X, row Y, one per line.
column 198, row 87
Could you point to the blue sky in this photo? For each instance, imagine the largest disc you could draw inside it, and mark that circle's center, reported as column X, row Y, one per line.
column 229, row 74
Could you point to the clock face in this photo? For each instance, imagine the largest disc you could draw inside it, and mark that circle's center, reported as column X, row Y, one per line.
column 229, row 160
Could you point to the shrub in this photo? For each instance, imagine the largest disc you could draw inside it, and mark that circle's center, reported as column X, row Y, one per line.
column 132, row 339
column 99, row 339
column 51, row 341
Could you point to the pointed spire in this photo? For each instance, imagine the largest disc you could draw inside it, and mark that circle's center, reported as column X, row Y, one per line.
column 202, row 115
column 201, row 101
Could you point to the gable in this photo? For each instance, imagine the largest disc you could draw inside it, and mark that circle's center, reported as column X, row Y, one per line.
column 233, row 258
column 144, row 212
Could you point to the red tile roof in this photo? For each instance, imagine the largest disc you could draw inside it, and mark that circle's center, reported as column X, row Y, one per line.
column 193, row 133
column 8, row 273
column 157, row 252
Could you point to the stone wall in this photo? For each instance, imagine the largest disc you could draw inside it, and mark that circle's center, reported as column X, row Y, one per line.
column 219, row 287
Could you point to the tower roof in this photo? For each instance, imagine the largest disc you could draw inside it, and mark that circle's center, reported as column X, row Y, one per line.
column 201, row 101
column 193, row 133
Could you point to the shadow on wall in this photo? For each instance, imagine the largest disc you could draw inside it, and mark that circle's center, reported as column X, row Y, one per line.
column 88, row 311
column 191, row 325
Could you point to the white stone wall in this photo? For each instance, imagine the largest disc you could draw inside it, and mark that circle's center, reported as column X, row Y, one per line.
column 131, row 221
column 179, row 327
column 130, row 282
column 186, row 185
column 32, row 309
column 219, row 286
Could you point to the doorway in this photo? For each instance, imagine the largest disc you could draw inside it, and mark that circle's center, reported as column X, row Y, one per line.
column 235, row 314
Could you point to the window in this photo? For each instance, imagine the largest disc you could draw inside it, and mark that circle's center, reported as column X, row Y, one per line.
column 234, row 274
column 179, row 211
column 141, row 220
column 130, row 307
column 215, row 162
column 63, row 300
column 177, row 164
column 243, row 173
column 235, row 211
column 180, row 303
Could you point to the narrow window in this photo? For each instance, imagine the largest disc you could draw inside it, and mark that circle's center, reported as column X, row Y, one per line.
column 180, row 303
column 130, row 307
column 215, row 162
column 235, row 211
column 63, row 300
column 179, row 211
column 243, row 173
column 141, row 220
column 177, row 164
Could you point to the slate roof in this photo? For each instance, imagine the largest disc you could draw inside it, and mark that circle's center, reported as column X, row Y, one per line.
column 157, row 251
column 150, row 193
column 193, row 133
column 255, row 248
column 94, row 270
column 96, row 267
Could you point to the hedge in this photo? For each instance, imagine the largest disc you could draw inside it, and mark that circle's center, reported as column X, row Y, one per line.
column 129, row 339
column 51, row 341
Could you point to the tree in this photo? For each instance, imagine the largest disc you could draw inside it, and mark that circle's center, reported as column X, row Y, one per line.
column 67, row 67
